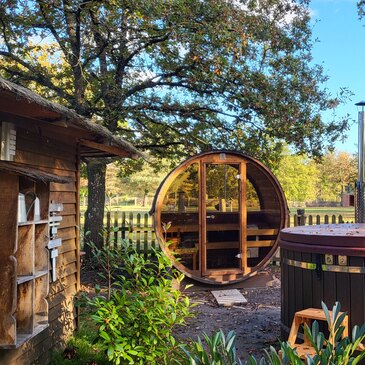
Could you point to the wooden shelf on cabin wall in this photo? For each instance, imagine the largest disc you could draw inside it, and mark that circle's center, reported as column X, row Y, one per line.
column 24, row 311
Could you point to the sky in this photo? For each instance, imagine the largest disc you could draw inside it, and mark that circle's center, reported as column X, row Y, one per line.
column 341, row 51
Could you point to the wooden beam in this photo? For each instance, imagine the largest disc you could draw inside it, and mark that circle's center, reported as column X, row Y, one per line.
column 113, row 150
column 46, row 128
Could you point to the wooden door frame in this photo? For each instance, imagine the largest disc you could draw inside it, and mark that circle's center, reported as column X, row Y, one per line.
column 217, row 160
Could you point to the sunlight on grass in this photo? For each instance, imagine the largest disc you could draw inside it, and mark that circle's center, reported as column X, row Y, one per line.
column 80, row 349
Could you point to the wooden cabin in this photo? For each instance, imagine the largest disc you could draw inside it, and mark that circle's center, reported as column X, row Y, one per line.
column 218, row 216
column 42, row 144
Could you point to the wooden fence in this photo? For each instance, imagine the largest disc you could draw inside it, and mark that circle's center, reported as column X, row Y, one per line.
column 138, row 229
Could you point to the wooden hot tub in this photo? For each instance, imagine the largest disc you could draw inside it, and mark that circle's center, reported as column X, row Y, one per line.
column 323, row 263
column 218, row 216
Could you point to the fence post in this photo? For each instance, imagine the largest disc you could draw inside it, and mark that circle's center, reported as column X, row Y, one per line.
column 123, row 228
column 145, row 233
column 340, row 219
column 318, row 219
column 138, row 232
column 310, row 220
column 333, row 219
column 301, row 217
column 116, row 229
column 326, row 219
column 131, row 228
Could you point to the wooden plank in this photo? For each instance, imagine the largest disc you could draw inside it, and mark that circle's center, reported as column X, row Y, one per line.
column 317, row 280
column 343, row 291
column 57, row 297
column 56, row 187
column 7, row 301
column 68, row 221
column 59, row 172
column 67, row 246
column 8, row 216
column 31, row 142
column 69, row 209
column 291, row 289
column 329, row 288
column 67, row 287
column 285, row 292
column 228, row 298
column 357, row 286
column 298, row 280
column 69, row 257
column 243, row 218
column 67, row 233
column 77, row 221
column 34, row 347
column 112, row 150
column 307, row 283
column 63, row 197
column 43, row 161
column 25, row 253
column 24, row 313
column 234, row 244
column 202, row 219
column 65, row 134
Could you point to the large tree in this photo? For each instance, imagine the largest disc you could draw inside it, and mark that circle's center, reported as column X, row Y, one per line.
column 175, row 77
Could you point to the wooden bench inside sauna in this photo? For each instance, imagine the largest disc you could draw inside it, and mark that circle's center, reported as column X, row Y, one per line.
column 218, row 216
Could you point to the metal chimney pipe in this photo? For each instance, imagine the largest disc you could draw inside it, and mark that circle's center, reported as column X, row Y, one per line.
column 360, row 184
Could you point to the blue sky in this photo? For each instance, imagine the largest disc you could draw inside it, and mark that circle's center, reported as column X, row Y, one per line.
column 341, row 51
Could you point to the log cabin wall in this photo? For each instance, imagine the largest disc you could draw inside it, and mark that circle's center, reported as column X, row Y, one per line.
column 59, row 155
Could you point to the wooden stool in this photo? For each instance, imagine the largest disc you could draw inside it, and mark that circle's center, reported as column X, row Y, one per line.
column 307, row 316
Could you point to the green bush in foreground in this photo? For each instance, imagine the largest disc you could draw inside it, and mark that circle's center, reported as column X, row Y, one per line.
column 135, row 325
column 217, row 350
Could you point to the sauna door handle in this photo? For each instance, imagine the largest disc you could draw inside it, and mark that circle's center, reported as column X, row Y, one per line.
column 211, row 216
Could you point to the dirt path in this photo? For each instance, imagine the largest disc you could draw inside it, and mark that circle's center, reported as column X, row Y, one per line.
column 257, row 324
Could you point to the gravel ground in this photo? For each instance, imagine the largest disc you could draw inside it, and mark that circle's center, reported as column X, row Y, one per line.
column 256, row 324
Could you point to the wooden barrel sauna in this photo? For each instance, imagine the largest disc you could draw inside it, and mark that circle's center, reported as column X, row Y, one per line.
column 323, row 263
column 218, row 215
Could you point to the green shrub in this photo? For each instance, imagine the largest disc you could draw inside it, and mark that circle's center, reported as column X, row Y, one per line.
column 135, row 324
column 217, row 350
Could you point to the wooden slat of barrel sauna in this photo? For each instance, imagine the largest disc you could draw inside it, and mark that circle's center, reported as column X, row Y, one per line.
column 298, row 280
column 329, row 288
column 357, row 287
column 307, row 283
column 343, row 291
column 317, row 284
column 284, row 288
column 291, row 289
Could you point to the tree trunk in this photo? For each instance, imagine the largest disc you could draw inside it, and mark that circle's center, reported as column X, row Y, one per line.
column 94, row 215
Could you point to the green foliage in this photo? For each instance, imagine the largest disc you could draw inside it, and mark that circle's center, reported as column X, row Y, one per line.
column 305, row 180
column 107, row 259
column 135, row 325
column 80, row 349
column 333, row 350
column 177, row 77
column 217, row 349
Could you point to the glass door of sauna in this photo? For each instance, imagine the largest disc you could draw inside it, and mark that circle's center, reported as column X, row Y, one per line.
column 222, row 209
